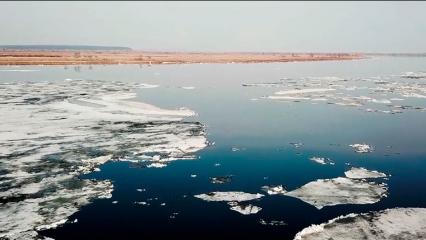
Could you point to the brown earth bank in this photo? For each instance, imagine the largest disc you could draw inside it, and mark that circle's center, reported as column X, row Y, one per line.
column 45, row 57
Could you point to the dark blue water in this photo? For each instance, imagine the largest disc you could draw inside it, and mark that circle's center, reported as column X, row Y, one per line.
column 262, row 130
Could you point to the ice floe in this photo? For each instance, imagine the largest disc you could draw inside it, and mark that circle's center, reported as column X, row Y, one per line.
column 273, row 190
column 296, row 144
column 330, row 192
column 156, row 165
column 322, row 160
column 415, row 75
column 395, row 223
column 362, row 173
column 221, row 179
column 236, row 200
column 188, row 87
column 52, row 132
column 146, row 85
column 301, row 91
column 361, row 147
column 232, row 196
column 243, row 208
column 272, row 222
column 371, row 94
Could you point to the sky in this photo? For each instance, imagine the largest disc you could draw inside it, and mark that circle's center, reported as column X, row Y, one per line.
column 220, row 26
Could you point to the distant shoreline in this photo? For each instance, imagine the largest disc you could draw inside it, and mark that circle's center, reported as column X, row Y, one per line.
column 112, row 57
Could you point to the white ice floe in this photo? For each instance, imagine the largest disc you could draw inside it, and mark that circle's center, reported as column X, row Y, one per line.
column 414, row 95
column 228, row 196
column 272, row 222
column 414, row 75
column 20, row 219
column 236, row 200
column 384, row 101
column 287, row 98
column 395, row 223
column 51, row 132
column 296, row 144
column 358, row 93
column 156, row 165
column 274, row 84
column 245, row 209
column 362, row 173
column 188, row 87
column 330, row 192
column 322, row 160
column 142, row 203
column 362, row 147
column 301, row 91
column 273, row 190
column 146, row 85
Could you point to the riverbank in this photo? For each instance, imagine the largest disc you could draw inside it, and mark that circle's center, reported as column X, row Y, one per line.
column 16, row 57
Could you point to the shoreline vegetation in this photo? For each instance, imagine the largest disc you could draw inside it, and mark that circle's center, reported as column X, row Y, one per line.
column 112, row 57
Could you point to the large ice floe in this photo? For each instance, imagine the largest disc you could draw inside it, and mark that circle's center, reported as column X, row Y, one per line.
column 236, row 200
column 352, row 189
column 362, row 173
column 52, row 132
column 340, row 190
column 389, row 94
column 396, row 223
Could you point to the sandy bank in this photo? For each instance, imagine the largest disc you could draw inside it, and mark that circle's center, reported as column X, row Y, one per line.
column 137, row 57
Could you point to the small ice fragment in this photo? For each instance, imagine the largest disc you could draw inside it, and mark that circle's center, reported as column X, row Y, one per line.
column 221, row 179
column 142, row 203
column 296, row 144
column 193, row 175
column 384, row 101
column 163, row 204
column 217, row 164
column 414, row 75
column 272, row 223
column 322, row 160
column 188, row 88
column 156, row 165
column 301, row 91
column 114, row 202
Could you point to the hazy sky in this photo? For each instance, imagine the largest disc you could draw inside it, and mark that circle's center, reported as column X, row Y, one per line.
column 220, row 26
